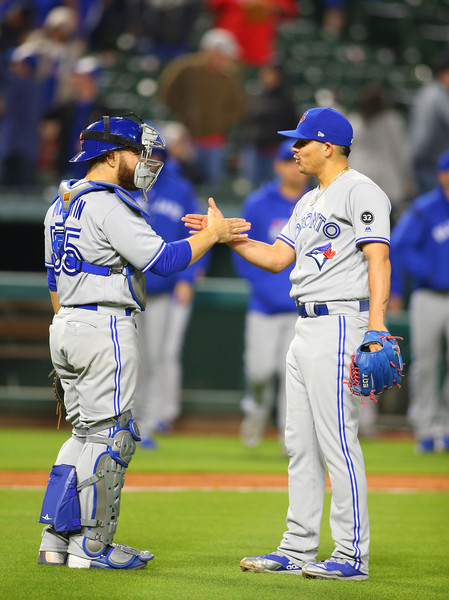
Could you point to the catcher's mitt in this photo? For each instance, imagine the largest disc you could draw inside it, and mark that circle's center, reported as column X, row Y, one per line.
column 58, row 391
column 372, row 372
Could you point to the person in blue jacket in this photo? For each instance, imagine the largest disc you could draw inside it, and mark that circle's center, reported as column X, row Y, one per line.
column 420, row 260
column 163, row 325
column 271, row 313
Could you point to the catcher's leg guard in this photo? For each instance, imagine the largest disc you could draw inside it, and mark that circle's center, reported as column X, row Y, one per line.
column 101, row 472
column 60, row 509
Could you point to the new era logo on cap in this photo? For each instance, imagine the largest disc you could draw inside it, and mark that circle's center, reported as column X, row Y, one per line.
column 323, row 125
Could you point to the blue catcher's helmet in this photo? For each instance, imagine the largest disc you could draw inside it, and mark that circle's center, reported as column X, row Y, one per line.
column 109, row 133
column 124, row 133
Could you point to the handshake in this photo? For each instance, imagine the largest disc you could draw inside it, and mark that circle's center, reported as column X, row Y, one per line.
column 225, row 230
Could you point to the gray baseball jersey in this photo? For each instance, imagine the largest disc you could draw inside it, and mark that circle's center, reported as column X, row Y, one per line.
column 322, row 418
column 101, row 228
column 324, row 229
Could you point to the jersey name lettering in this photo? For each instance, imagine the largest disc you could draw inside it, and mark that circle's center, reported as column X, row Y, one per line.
column 77, row 208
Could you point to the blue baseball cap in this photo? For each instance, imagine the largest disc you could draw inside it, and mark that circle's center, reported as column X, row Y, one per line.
column 285, row 151
column 322, row 125
column 443, row 162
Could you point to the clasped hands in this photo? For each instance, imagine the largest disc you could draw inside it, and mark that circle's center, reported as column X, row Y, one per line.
column 227, row 230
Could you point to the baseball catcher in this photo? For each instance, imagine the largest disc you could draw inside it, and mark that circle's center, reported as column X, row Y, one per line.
column 372, row 372
column 98, row 247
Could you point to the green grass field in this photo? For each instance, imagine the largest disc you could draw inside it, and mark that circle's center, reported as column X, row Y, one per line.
column 198, row 537
column 37, row 449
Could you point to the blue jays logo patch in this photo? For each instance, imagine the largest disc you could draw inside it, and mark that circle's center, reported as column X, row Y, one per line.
column 321, row 254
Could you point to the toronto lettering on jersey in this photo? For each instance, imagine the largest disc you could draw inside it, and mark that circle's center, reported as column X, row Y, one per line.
column 314, row 220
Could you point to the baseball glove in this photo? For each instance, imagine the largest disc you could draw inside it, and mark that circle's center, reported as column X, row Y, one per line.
column 58, row 391
column 372, row 372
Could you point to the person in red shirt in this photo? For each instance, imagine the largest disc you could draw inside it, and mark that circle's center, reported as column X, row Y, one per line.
column 254, row 24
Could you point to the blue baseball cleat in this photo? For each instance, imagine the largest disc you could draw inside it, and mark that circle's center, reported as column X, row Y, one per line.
column 425, row 445
column 331, row 569
column 116, row 556
column 269, row 563
column 149, row 443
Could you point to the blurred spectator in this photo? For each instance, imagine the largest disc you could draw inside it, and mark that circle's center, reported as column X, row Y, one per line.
column 63, row 123
column 271, row 313
column 420, row 253
column 380, row 149
column 182, row 149
column 89, row 12
column 58, row 49
column 429, row 125
column 203, row 91
column 333, row 16
column 19, row 123
column 254, row 24
column 163, row 324
column 270, row 107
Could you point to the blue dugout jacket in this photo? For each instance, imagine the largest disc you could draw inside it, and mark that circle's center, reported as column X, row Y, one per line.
column 419, row 248
column 170, row 198
column 268, row 211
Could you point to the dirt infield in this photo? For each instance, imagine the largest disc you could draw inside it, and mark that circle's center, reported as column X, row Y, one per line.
column 223, row 481
column 230, row 481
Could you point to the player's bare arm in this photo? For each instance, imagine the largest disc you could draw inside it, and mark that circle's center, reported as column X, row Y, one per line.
column 273, row 258
column 379, row 272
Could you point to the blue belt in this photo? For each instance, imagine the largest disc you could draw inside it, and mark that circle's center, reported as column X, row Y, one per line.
column 127, row 311
column 322, row 309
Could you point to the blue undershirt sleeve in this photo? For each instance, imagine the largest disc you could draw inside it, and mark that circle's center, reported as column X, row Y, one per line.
column 51, row 280
column 175, row 257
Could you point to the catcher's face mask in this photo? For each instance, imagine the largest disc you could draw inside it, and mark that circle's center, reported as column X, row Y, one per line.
column 148, row 169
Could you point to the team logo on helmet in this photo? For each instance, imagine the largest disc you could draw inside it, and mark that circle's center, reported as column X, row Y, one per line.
column 321, row 254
